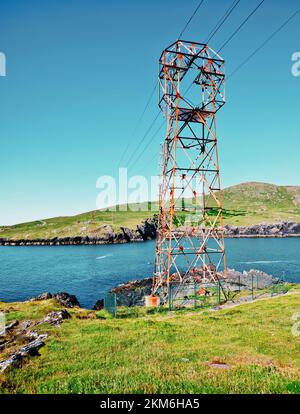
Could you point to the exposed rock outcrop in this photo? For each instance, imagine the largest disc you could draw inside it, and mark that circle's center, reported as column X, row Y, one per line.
column 99, row 304
column 129, row 294
column 21, row 339
column 133, row 293
column 13, row 361
column 11, row 326
column 282, row 229
column 244, row 280
column 63, row 298
column 32, row 348
column 127, row 233
column 56, row 318
column 42, row 296
column 148, row 228
column 67, row 300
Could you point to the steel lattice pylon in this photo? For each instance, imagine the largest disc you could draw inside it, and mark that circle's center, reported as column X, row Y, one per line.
column 190, row 241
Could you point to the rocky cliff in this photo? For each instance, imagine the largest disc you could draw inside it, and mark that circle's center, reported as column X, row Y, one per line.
column 147, row 231
column 144, row 231
column 282, row 229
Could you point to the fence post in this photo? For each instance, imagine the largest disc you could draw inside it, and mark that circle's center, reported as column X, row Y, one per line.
column 252, row 285
column 110, row 303
column 170, row 297
column 218, row 293
column 195, row 295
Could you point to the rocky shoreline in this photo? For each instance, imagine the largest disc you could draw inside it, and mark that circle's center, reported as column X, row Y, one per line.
column 143, row 232
column 147, row 231
column 20, row 340
column 133, row 292
column 281, row 229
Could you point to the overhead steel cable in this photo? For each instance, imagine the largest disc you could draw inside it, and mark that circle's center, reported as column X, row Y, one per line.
column 241, row 25
column 181, row 33
column 222, row 20
column 269, row 38
column 148, row 143
column 227, row 14
column 232, row 35
column 190, row 19
column 143, row 138
column 151, row 96
column 138, row 123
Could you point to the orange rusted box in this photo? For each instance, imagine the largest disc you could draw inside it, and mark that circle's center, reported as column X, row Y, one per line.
column 152, row 301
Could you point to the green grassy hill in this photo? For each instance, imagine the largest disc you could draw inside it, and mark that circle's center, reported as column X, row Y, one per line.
column 255, row 203
column 182, row 352
column 244, row 204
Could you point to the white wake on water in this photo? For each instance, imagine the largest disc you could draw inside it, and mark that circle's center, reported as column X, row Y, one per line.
column 104, row 257
column 265, row 262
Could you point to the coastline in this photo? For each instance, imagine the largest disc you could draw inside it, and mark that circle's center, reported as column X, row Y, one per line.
column 100, row 242
column 148, row 229
column 132, row 292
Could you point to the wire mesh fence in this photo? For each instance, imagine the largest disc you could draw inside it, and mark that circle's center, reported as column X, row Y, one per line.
column 254, row 284
column 110, row 303
column 238, row 288
column 195, row 295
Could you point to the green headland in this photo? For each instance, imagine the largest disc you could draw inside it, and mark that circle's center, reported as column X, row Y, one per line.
column 244, row 205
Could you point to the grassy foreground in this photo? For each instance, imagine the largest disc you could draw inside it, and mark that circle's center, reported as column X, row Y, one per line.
column 164, row 352
column 244, row 204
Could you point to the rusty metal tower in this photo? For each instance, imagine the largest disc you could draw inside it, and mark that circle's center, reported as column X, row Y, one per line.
column 190, row 241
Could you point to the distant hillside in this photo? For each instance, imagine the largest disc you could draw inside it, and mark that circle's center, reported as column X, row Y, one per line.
column 244, row 204
column 260, row 202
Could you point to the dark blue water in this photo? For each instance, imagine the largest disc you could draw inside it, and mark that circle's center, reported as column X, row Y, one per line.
column 89, row 271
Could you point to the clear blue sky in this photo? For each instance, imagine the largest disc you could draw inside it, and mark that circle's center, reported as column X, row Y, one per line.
column 79, row 73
